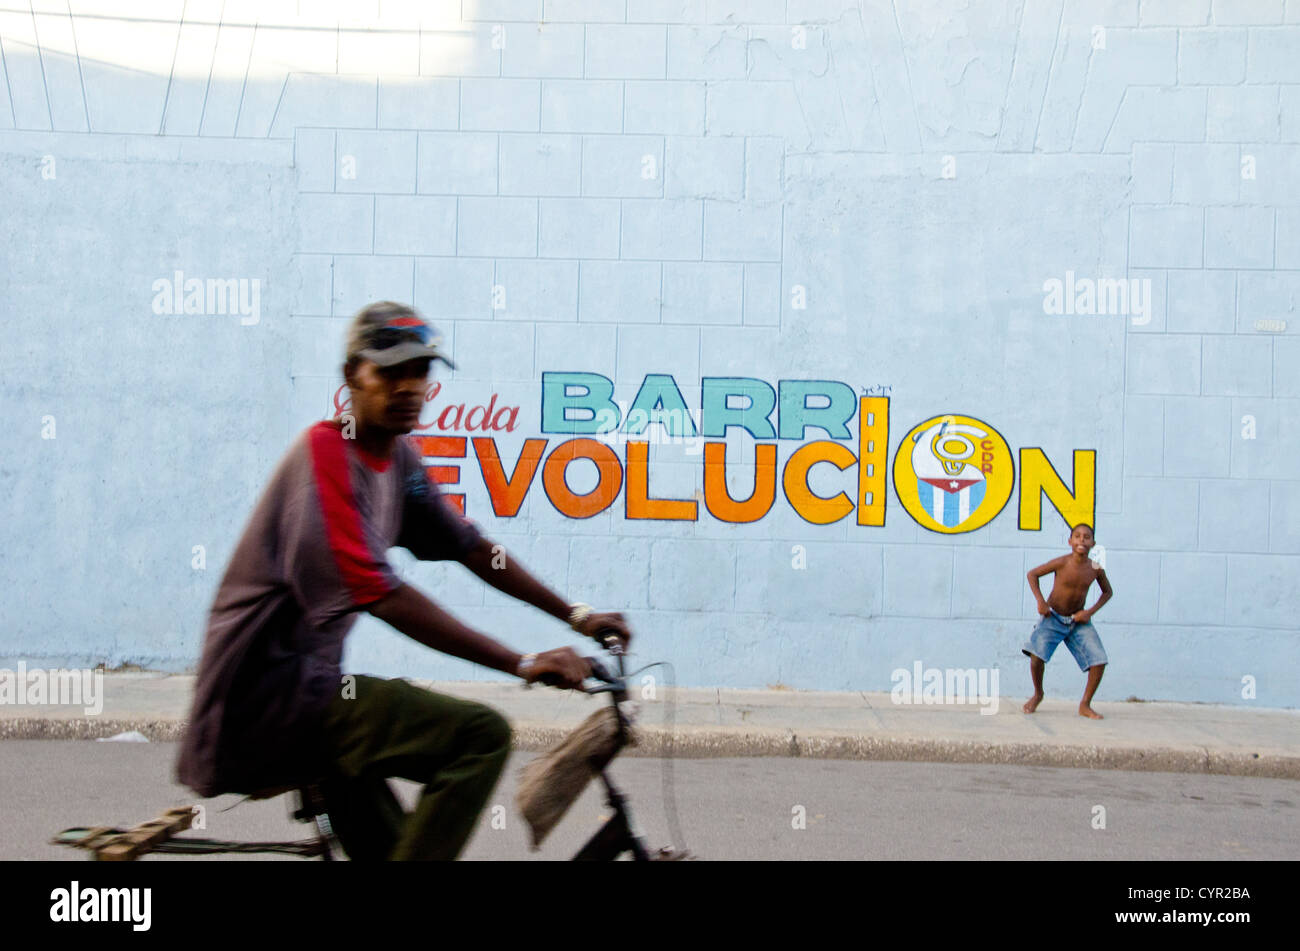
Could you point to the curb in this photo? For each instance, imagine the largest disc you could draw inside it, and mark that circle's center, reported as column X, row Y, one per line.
column 718, row 743
column 706, row 744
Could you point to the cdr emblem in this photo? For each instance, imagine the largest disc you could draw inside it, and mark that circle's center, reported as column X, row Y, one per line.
column 953, row 473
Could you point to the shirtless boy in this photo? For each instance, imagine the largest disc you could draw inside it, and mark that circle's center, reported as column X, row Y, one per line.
column 1065, row 619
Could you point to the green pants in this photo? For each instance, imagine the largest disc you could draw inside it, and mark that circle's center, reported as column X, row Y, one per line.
column 457, row 748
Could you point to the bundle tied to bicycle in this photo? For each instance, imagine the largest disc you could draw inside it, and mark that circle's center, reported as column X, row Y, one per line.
column 550, row 784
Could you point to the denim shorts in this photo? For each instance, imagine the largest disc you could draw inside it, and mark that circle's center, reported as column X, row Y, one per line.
column 1081, row 639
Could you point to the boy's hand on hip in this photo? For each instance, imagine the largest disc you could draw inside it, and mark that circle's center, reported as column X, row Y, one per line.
column 1043, row 609
column 562, row 667
column 1081, row 617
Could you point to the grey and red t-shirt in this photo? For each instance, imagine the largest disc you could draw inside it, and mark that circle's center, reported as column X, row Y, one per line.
column 311, row 556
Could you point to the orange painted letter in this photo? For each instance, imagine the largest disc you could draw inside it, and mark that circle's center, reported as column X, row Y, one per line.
column 719, row 501
column 639, row 503
column 451, row 447
column 507, row 495
column 814, row 508
column 607, row 485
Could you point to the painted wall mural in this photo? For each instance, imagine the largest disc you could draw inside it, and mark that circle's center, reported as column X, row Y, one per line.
column 951, row 473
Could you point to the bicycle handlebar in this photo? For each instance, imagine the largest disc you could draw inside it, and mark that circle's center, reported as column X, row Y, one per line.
column 613, row 645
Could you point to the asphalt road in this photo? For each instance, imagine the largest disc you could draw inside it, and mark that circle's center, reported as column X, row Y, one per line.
column 730, row 808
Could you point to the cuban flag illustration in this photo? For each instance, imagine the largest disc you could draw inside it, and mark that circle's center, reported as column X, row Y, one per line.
column 949, row 487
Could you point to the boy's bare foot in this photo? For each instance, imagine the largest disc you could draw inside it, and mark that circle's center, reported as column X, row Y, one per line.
column 1089, row 712
column 1032, row 703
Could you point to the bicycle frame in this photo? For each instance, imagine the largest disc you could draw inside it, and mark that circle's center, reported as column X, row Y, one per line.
column 615, row 837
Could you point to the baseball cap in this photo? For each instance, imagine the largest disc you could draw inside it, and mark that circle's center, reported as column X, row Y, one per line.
column 388, row 333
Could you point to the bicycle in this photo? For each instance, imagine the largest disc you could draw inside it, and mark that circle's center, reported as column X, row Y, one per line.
column 617, row 835
column 612, row 840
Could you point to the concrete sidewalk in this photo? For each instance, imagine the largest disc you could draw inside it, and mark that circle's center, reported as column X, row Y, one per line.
column 1165, row 737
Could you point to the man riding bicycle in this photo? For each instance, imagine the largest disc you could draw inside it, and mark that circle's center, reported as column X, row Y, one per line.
column 271, row 707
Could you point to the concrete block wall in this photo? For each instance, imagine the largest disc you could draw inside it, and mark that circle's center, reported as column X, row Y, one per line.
column 869, row 192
